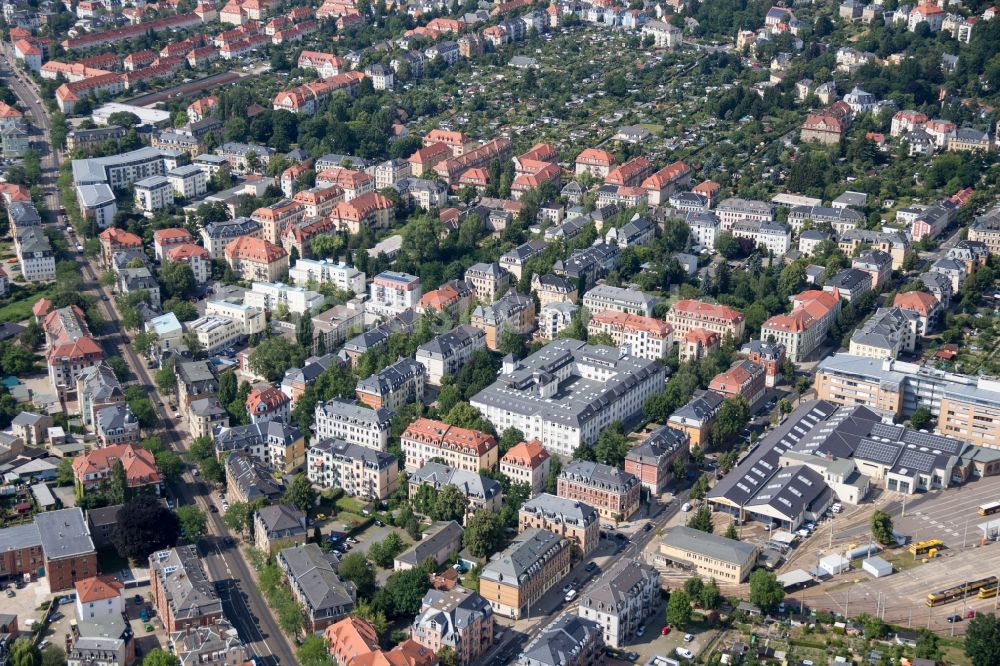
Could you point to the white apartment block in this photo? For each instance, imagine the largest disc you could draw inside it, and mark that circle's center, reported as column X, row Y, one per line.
column 345, row 420
column 97, row 202
column 153, row 193
column 188, row 181
column 605, row 297
column 646, row 337
column 269, row 295
column 448, row 352
column 390, row 172
column 774, row 236
column 733, row 210
column 249, row 319
column 215, row 332
column 623, row 600
column 120, row 171
column 567, row 392
column 326, row 271
column 392, row 293
column 704, row 229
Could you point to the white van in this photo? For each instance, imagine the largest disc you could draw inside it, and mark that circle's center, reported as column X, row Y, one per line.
column 570, row 596
column 684, row 652
column 686, row 506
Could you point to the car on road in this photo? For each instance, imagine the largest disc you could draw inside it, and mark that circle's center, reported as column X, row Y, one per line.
column 567, row 587
column 684, row 652
column 631, row 656
column 640, row 631
column 352, row 540
column 954, row 618
column 591, row 566
column 688, row 638
column 665, row 630
column 11, row 593
column 570, row 596
column 43, row 644
column 213, row 508
column 686, row 507
column 647, row 527
column 227, row 540
column 971, row 613
column 608, row 526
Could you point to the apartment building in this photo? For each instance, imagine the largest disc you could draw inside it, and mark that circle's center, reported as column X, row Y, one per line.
column 598, row 163
column 849, row 284
column 312, row 577
column 553, row 289
column 461, row 448
column 71, row 349
column 966, row 407
column 92, row 470
column 688, row 314
column 439, row 542
column 514, row 312
column 393, row 387
column 841, row 220
column 215, row 332
column 391, row 293
column 774, row 237
column 153, row 193
column 488, row 281
column 448, row 352
column 182, row 594
column 35, row 255
column 771, row 355
column 565, row 393
column 120, row 171
column 886, row 333
column 604, row 297
column 652, row 461
column 803, row 330
column 514, row 260
column 276, row 445
column 528, row 463
column 195, row 379
column 744, row 378
column 570, row 519
column 371, row 210
column 613, row 492
column 622, row 601
column 666, row 181
column 877, row 264
column 927, row 308
column 459, row 619
column 481, row 492
column 696, row 418
column 733, row 210
column 645, row 337
column 256, row 259
column 521, row 574
column 188, row 182
column 569, row 641
column 97, row 203
column 307, row 272
column 359, row 470
column 57, row 544
column 269, row 296
column 249, row 320
column 344, row 420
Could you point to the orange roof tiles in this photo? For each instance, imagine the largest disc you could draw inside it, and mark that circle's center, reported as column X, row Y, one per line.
column 597, row 157
column 526, row 454
column 704, row 336
column 254, row 249
column 667, row 175
column 916, row 301
column 451, row 437
column 120, row 237
column 268, row 399
column 98, row 588
column 170, row 235
column 622, row 320
column 186, row 251
column 140, row 467
column 695, row 308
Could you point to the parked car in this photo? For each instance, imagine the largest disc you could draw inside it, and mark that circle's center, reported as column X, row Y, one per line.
column 954, row 618
column 684, row 652
column 686, row 506
column 688, row 638
column 665, row 630
column 640, row 631
column 591, row 566
column 570, row 596
column 647, row 527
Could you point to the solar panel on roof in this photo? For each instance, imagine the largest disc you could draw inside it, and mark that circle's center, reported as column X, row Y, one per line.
column 877, row 451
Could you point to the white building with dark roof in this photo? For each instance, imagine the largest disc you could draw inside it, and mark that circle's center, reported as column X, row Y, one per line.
column 622, row 600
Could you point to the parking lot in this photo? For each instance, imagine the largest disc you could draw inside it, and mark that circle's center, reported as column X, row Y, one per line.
column 26, row 601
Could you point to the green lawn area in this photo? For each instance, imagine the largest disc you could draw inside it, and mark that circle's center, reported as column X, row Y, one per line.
column 18, row 306
column 655, row 129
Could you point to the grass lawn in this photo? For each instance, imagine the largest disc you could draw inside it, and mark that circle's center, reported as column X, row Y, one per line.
column 18, row 306
column 655, row 129
column 349, row 504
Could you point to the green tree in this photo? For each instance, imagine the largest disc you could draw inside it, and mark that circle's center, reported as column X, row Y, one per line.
column 702, row 519
column 731, row 532
column 177, row 279
column 166, row 379
column 118, row 490
column 678, row 609
column 450, row 504
column 920, row 418
column 158, row 657
column 406, row 590
column 143, row 526
column 53, row 655
column 982, row 640
column 765, row 590
column 238, row 517
column 484, row 533
column 511, row 342
column 355, row 568
column 611, row 445
column 227, row 387
column 300, row 493
column 693, row 586
column 699, row 488
column 711, row 596
column 881, row 524
column 313, row 652
column 193, row 521
column 275, row 355
column 304, row 331
column 64, row 472
column 24, row 653
column 447, row 656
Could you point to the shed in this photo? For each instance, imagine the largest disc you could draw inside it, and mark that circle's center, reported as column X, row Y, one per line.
column 991, row 528
column 877, row 567
column 795, row 579
column 834, row 564
column 783, row 537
